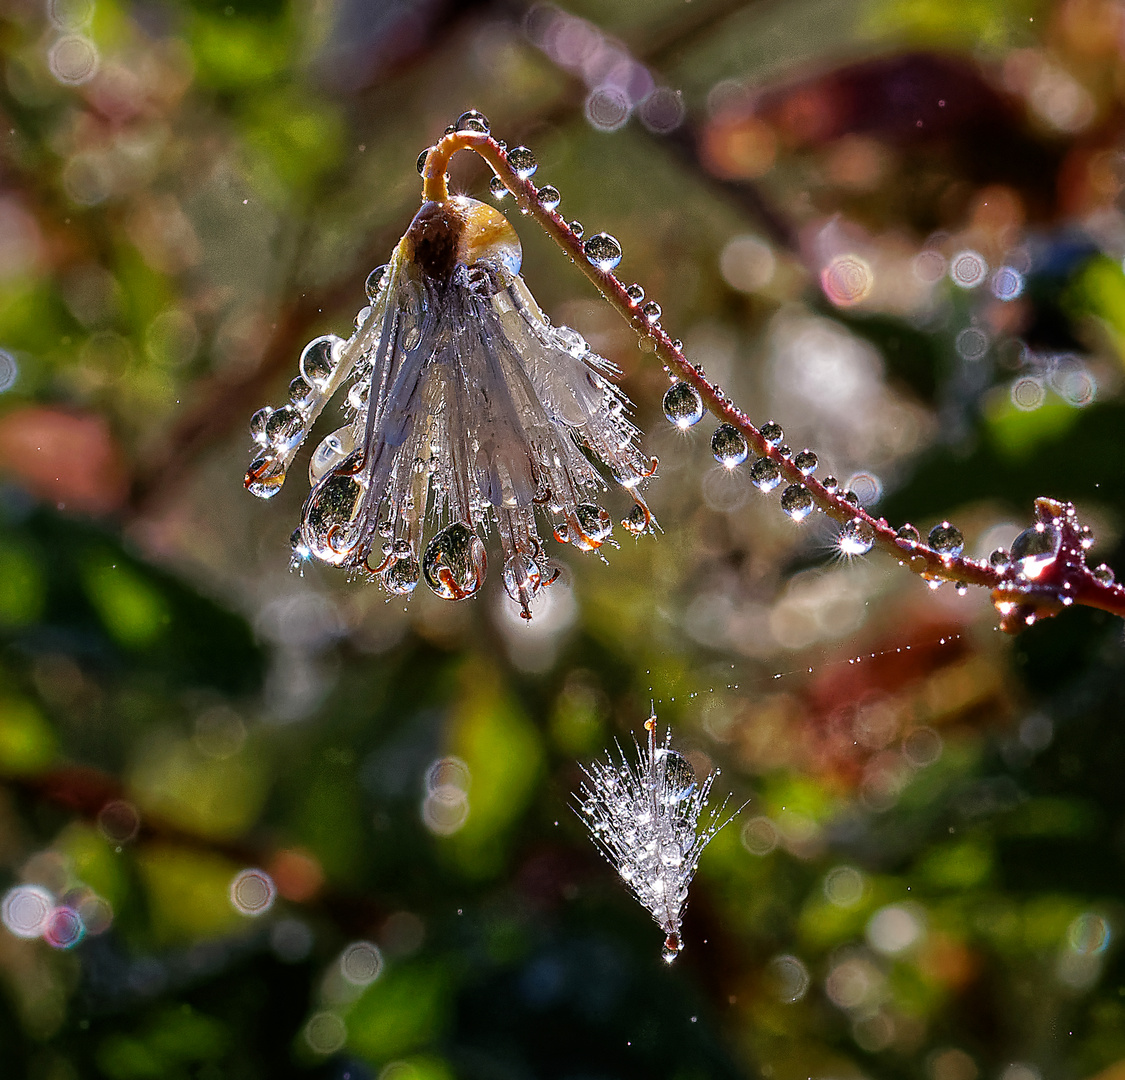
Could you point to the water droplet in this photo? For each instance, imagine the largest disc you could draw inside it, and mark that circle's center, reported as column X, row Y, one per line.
column 522, row 576
column 522, row 160
column 422, row 159
column 455, row 562
column 328, row 513
column 682, row 405
column 672, row 948
column 374, row 280
column 300, row 393
column 284, row 427
column 784, row 450
column 909, row 533
column 258, row 424
column 947, row 540
column 678, row 345
column 635, row 293
column 960, row 588
column 772, row 432
column 830, row 484
column 1086, row 537
column 549, row 197
column 401, row 576
column 1035, row 549
column 595, row 526
column 497, row 187
column 318, row 360
column 1000, row 559
column 577, row 229
column 265, row 477
column 797, row 502
column 857, row 537
column 765, row 474
column 728, row 444
column 850, row 497
column 472, row 121
column 1103, row 574
column 362, row 316
column 806, row 461
column 603, row 251
column 651, row 311
column 331, row 451
column 637, row 520
column 674, row 774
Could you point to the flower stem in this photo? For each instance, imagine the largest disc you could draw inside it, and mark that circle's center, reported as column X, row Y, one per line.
column 917, row 557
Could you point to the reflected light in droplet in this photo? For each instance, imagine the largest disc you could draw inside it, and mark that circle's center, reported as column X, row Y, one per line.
column 852, row 982
column 662, row 111
column 760, row 835
column 893, row 929
column 867, row 487
column 1028, row 393
column 73, row 59
column 63, row 928
column 967, row 269
column 119, row 821
column 929, row 266
column 1007, row 283
column 972, row 343
column 252, row 892
column 922, row 747
column 844, row 886
column 448, row 771
column 847, row 279
column 445, row 810
column 25, row 909
column 325, row 1032
column 361, row 963
column 607, row 108
column 1088, row 935
column 789, row 978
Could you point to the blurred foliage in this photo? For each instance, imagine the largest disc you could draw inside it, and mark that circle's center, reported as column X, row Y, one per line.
column 308, row 832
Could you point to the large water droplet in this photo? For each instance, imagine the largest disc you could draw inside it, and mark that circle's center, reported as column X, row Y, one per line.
column 455, row 562
column 1103, row 574
column 549, row 197
column 318, row 360
column 1000, row 559
column 473, row 121
column 728, row 444
column 947, row 540
column 1035, row 549
column 672, row 948
column 857, row 537
column 637, row 520
column 595, row 526
column 577, row 228
column 284, row 427
column 522, row 576
column 806, row 461
column 300, row 393
column 765, row 474
column 635, row 293
column 797, row 502
column 401, row 575
column 265, row 477
column 651, row 311
column 258, row 424
column 522, row 161
column 682, row 405
column 830, row 484
column 331, row 451
column 497, row 187
column 772, row 432
column 603, row 251
column 674, row 774
column 374, row 281
column 908, row 533
column 328, row 513
column 422, row 159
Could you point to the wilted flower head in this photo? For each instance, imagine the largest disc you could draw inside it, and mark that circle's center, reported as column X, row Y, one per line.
column 467, row 410
column 645, row 818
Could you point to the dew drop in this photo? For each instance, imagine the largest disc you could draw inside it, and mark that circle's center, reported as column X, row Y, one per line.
column 603, row 251
column 258, row 424
column 807, row 462
column 1035, row 549
column 682, row 405
column 1000, row 559
column 797, row 502
column 772, row 432
column 522, row 576
column 830, row 484
column 674, row 774
column 284, row 427
column 265, row 477
column 672, row 948
column 549, row 197
column 318, row 362
column 850, row 497
column 422, row 159
column 497, row 187
column 577, row 229
column 765, row 474
column 328, row 513
column 374, row 281
column 637, row 520
column 857, row 537
column 728, row 444
column 522, row 160
column 455, row 562
column 401, row 576
column 594, row 524
column 635, row 293
column 651, row 311
column 1103, row 574
column 331, row 451
column 961, row 588
column 472, row 121
column 300, row 393
column 947, row 540
column 784, row 450
column 908, row 533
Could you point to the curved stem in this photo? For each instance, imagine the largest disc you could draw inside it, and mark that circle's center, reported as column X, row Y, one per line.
column 917, row 557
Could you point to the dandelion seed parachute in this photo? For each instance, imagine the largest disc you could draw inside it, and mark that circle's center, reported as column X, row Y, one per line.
column 645, row 818
column 467, row 410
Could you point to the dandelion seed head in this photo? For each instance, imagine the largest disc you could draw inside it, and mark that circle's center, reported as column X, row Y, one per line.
column 468, row 411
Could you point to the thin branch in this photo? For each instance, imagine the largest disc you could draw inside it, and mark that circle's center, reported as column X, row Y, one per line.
column 1019, row 600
